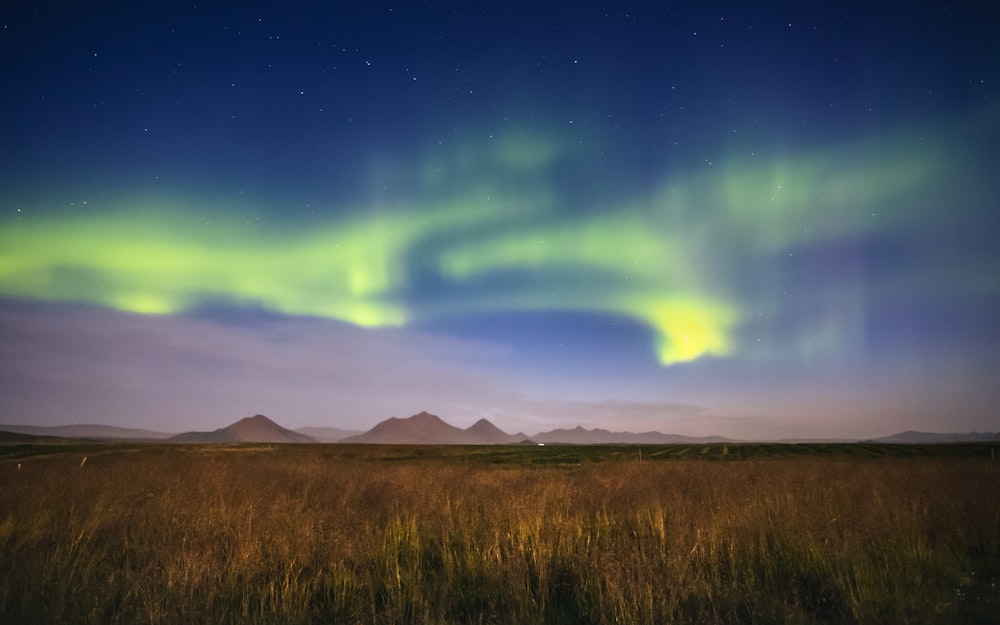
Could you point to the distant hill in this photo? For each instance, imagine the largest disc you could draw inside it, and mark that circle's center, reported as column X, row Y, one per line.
column 490, row 434
column 18, row 437
column 597, row 436
column 427, row 429
column 327, row 435
column 256, row 429
column 929, row 438
column 420, row 429
column 100, row 432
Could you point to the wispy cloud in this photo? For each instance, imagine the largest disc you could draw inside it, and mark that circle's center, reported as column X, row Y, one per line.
column 71, row 364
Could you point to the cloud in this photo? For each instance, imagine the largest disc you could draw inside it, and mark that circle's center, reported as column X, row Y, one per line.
column 71, row 364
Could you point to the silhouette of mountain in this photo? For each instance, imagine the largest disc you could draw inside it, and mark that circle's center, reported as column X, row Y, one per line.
column 420, row 429
column 256, row 429
column 101, row 432
column 597, row 436
column 489, row 434
column 912, row 437
column 427, row 429
column 18, row 437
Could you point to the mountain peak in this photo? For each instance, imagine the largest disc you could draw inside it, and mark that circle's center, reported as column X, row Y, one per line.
column 483, row 426
column 258, row 420
column 485, row 433
column 255, row 429
column 425, row 417
column 421, row 428
column 484, row 422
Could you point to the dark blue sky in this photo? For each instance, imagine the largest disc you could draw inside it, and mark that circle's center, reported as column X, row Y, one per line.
column 737, row 220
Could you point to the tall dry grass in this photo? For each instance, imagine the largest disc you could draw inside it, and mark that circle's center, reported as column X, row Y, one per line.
column 307, row 535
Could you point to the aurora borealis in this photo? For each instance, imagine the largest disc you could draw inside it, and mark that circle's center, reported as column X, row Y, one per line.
column 712, row 221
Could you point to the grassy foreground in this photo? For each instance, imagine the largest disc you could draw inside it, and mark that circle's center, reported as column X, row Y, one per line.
column 338, row 534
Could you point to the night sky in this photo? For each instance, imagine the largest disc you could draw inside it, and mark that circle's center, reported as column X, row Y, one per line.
column 752, row 221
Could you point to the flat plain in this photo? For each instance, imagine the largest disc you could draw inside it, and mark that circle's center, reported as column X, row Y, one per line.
column 160, row 533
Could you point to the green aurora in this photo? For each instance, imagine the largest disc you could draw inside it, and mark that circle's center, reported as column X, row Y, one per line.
column 666, row 259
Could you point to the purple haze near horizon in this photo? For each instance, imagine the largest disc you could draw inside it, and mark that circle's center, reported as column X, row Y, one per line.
column 728, row 220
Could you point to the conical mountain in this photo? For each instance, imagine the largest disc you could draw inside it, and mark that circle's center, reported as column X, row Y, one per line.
column 488, row 434
column 255, row 429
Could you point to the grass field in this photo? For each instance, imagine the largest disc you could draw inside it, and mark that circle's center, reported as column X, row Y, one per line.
column 359, row 534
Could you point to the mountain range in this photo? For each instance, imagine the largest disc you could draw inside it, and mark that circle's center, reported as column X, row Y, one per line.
column 925, row 438
column 598, row 436
column 101, row 432
column 428, row 429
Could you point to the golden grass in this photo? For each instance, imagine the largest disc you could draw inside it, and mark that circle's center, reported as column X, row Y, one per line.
column 316, row 534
